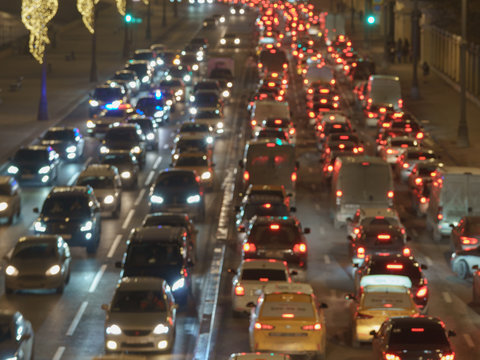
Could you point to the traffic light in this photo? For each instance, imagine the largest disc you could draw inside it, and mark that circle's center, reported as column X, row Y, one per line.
column 128, row 18
column 371, row 19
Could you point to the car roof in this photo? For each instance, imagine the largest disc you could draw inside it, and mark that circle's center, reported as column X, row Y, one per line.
column 157, row 234
column 378, row 211
column 39, row 238
column 141, row 283
column 303, row 288
column 99, row 170
column 67, row 190
column 263, row 264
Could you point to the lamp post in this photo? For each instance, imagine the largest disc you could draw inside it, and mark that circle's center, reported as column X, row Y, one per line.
column 42, row 114
column 414, row 92
column 352, row 15
column 462, row 134
column 148, row 29
column 126, row 37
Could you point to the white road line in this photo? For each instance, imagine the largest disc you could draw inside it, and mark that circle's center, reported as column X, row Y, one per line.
column 72, row 179
column 128, row 219
column 447, row 297
column 327, row 259
column 97, row 278
column 428, row 260
column 157, row 162
column 149, row 178
column 89, row 160
column 165, row 146
column 59, row 353
column 114, row 246
column 469, row 340
column 139, row 197
column 76, row 319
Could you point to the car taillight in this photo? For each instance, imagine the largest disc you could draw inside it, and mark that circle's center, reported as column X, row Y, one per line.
column 323, row 101
column 239, row 290
column 310, row 91
column 371, row 115
column 329, row 168
column 246, row 175
column 260, row 326
column 339, row 193
column 356, row 230
column 422, row 292
column 363, row 316
column 361, row 252
column 300, row 248
column 316, row 326
column 400, row 103
column 423, row 200
column 260, row 65
column 311, row 114
column 407, row 252
column 253, row 122
column 420, row 135
column 390, row 356
column 418, row 181
column 450, row 356
column 319, row 127
column 285, row 65
column 389, row 151
column 406, row 165
column 249, row 247
column 292, row 131
column 468, row 240
column 390, row 194
column 293, row 177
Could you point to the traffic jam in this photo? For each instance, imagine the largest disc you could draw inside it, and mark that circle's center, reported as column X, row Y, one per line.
column 256, row 105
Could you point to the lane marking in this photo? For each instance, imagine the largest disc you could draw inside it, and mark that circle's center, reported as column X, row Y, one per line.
column 97, row 278
column 128, row 219
column 469, row 340
column 157, row 162
column 149, row 178
column 89, row 160
column 114, row 246
column 72, row 179
column 165, row 146
column 140, row 197
column 327, row 259
column 59, row 353
column 76, row 319
column 447, row 297
column 428, row 260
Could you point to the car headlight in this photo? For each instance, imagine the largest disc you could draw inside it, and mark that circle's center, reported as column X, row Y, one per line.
column 158, row 113
column 176, row 156
column 153, row 63
column 187, row 78
column 40, row 226
column 3, row 206
column 71, row 149
column 232, row 11
column 229, row 84
column 53, row 270
column 108, row 199
column 160, row 62
column 104, row 149
column 193, row 199
column 132, row 84
column 192, row 110
column 177, row 285
column 223, row 41
column 156, row 199
column 136, row 150
column 125, row 175
column 176, row 62
column 11, row 270
column 220, row 125
column 161, row 329
column 90, row 124
column 242, row 11
column 14, row 357
column 195, row 67
column 206, row 175
column 226, row 93
column 237, row 41
column 209, row 140
column 192, row 98
column 113, row 330
column 179, row 92
column 12, row 169
column 222, row 19
column 44, row 169
column 205, row 23
column 169, row 102
column 87, row 226
column 199, row 54
column 93, row 103
column 150, row 136
column 145, row 79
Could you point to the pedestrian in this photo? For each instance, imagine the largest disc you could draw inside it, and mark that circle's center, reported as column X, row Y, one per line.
column 406, row 51
column 426, row 71
column 399, row 50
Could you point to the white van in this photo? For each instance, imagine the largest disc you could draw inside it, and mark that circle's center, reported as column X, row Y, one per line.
column 383, row 92
column 455, row 192
column 360, row 181
column 264, row 109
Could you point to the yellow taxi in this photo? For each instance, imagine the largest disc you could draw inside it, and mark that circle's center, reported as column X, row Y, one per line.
column 288, row 319
column 277, row 191
column 259, row 356
column 198, row 162
column 382, row 297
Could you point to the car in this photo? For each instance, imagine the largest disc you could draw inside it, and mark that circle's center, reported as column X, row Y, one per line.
column 367, row 215
column 331, row 124
column 180, row 72
column 108, row 97
column 334, row 150
column 143, row 69
column 101, row 123
column 209, row 84
column 126, row 137
column 72, row 212
column 177, row 86
column 154, row 106
column 192, row 142
column 214, row 119
column 423, row 174
column 127, row 165
column 206, row 100
column 280, row 238
column 141, row 316
column 191, row 60
column 394, row 147
column 146, row 54
column 237, row 9
column 230, row 40
column 178, row 190
column 106, row 184
column 397, row 264
column 411, row 337
column 464, row 263
column 377, row 302
column 149, row 128
column 251, row 277
column 38, row 262
column 259, row 356
column 200, row 163
column 276, row 191
column 193, row 127
column 466, row 234
column 160, row 252
column 210, row 23
column 288, row 319
column 10, row 201
column 409, row 158
column 130, row 78
column 279, row 123
column 67, row 141
column 34, row 164
column 17, row 339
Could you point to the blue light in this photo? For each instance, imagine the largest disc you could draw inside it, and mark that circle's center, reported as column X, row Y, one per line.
column 158, row 107
column 158, row 94
column 140, row 112
column 111, row 106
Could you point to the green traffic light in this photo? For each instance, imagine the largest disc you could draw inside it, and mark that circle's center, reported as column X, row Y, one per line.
column 371, row 19
column 128, row 18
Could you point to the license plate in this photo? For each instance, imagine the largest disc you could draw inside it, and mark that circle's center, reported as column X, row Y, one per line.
column 274, row 254
column 282, row 334
column 27, row 176
column 352, row 206
column 66, row 236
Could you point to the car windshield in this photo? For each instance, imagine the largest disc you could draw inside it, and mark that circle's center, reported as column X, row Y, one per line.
column 30, row 155
column 123, row 76
column 66, row 206
column 392, row 267
column 108, row 93
column 264, row 275
column 37, row 250
column 116, row 159
column 59, row 135
column 140, row 69
column 5, row 332
column 207, row 115
column 138, row 301
column 267, row 209
column 143, row 56
column 5, row 190
column 274, row 235
column 207, row 85
column 184, row 145
column 206, row 99
column 164, row 221
column 219, row 73
column 122, row 134
column 423, row 333
column 96, row 182
column 176, row 179
column 148, row 102
column 145, row 124
column 192, row 161
column 153, row 254
column 192, row 127
column 172, row 83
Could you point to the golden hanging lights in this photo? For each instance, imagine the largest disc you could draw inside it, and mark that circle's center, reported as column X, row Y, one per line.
column 36, row 14
column 121, row 6
column 87, row 9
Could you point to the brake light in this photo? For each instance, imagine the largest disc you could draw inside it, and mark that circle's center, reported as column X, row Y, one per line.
column 316, row 326
column 420, row 135
column 386, row 125
column 311, row 114
column 341, row 146
column 270, row 145
column 339, row 193
column 422, row 158
column 360, row 149
column 363, row 316
column 440, row 216
column 246, row 175
column 394, row 266
column 346, row 67
column 418, row 181
column 371, row 115
column 400, row 103
column 323, row 101
column 390, row 356
column 422, row 292
column 407, row 252
column 267, row 206
column 239, row 290
column 390, row 194
column 292, row 131
column 249, row 247
column 285, row 65
column 274, row 227
column 329, row 168
column 361, row 252
column 260, row 326
column 274, row 75
column 406, row 165
column 383, row 110
column 468, row 240
column 254, row 122
column 448, row 356
column 423, row 200
column 310, row 91
column 293, row 177
column 260, row 65
column 288, row 316
column 324, row 91
column 383, row 237
column 319, row 127
column 278, row 121
column 335, row 98
column 300, row 248
column 356, row 230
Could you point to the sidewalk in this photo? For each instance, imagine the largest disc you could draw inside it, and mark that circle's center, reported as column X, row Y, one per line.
column 438, row 107
column 68, row 82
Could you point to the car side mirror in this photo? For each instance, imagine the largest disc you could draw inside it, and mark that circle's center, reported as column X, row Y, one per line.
column 25, row 337
column 323, row 306
column 104, row 307
column 241, row 228
column 293, row 209
column 451, row 333
column 349, row 297
column 306, row 230
column 118, row 264
column 349, row 238
column 293, row 273
column 373, row 333
column 36, row 210
column 251, row 305
column 452, row 225
column 240, row 163
column 232, row 271
column 423, row 267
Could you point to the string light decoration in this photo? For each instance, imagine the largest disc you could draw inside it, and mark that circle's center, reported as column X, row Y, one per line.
column 121, row 6
column 36, row 14
column 87, row 9
column 146, row 2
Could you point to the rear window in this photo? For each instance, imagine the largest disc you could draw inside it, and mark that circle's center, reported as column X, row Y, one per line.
column 122, row 134
column 300, row 307
column 194, row 128
column 192, row 161
column 107, row 94
column 386, row 267
column 184, row 145
column 404, row 142
column 274, row 235
column 386, row 301
column 264, row 275
column 421, row 155
column 267, row 209
column 418, row 334
column 153, row 254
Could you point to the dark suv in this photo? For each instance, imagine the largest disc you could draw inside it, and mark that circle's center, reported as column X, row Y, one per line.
column 128, row 137
column 72, row 212
column 177, row 190
column 67, row 141
column 160, row 252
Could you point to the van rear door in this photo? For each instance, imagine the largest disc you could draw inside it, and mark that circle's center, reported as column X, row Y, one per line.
column 473, row 190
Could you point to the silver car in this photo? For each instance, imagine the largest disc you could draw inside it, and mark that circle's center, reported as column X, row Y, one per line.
column 38, row 262
column 9, row 198
column 141, row 316
column 16, row 336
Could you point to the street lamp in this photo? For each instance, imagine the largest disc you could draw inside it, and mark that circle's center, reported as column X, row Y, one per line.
column 415, row 27
column 462, row 134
